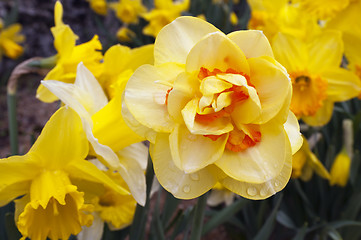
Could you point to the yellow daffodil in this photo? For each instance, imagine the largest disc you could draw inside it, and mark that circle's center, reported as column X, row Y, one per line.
column 128, row 11
column 279, row 16
column 305, row 162
column 69, row 55
column 340, row 170
column 191, row 105
column 219, row 195
column 322, row 9
column 52, row 205
column 317, row 78
column 233, row 18
column 124, row 34
column 106, row 130
column 99, row 6
column 119, row 64
column 165, row 11
column 112, row 208
column 10, row 38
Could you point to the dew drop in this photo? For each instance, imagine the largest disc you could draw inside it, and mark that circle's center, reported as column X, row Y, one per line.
column 186, row 189
column 194, row 176
column 252, row 191
column 277, row 183
column 263, row 192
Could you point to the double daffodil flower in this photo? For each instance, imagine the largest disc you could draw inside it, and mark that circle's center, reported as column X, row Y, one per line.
column 52, row 178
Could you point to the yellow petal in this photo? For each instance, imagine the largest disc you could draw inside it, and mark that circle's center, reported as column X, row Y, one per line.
column 259, row 163
column 342, row 84
column 216, row 50
column 88, row 171
column 175, row 40
column 317, row 166
column 55, row 149
column 325, row 51
column 272, row 84
column 322, row 116
column 145, row 95
column 291, row 52
column 174, row 180
column 253, row 43
column 265, row 189
column 340, row 169
column 191, row 153
column 110, row 128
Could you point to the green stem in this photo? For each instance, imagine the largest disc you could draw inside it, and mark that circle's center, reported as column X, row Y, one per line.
column 137, row 230
column 198, row 218
column 13, row 125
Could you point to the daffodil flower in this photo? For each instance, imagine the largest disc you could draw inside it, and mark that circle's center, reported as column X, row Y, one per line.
column 317, row 78
column 128, row 11
column 112, row 208
column 10, row 38
column 219, row 195
column 52, row 205
column 105, row 128
column 322, row 9
column 216, row 108
column 69, row 55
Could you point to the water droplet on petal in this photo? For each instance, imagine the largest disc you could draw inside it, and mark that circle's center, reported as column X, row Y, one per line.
column 263, row 192
column 186, row 189
column 252, row 191
column 194, row 176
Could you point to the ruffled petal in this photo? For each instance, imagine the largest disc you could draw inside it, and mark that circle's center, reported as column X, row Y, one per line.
column 253, row 43
column 261, row 162
column 192, row 153
column 174, row 180
column 146, row 93
column 272, row 84
column 216, row 50
column 175, row 40
column 293, row 132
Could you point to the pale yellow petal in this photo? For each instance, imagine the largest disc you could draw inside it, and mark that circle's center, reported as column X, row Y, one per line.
column 216, row 50
column 191, row 153
column 174, row 180
column 293, row 132
column 175, row 40
column 261, row 162
column 253, row 43
column 272, row 84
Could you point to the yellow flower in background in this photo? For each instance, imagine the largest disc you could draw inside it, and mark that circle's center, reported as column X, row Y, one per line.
column 317, row 78
column 128, row 11
column 109, row 136
column 322, row 9
column 111, row 207
column 52, row 205
column 69, row 55
column 165, row 11
column 192, row 105
column 10, row 37
column 119, row 64
column 305, row 163
column 124, row 34
column 99, row 6
column 280, row 16
column 233, row 18
column 219, row 195
column 340, row 170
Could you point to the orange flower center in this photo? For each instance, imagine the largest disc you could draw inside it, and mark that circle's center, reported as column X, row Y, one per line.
column 309, row 92
column 238, row 140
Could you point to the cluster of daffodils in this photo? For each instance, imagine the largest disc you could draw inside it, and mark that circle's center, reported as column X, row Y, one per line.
column 318, row 42
column 220, row 111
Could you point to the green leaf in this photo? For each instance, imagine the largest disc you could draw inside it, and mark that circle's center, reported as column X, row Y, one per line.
column 285, row 220
column 267, row 228
column 224, row 215
column 301, row 233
